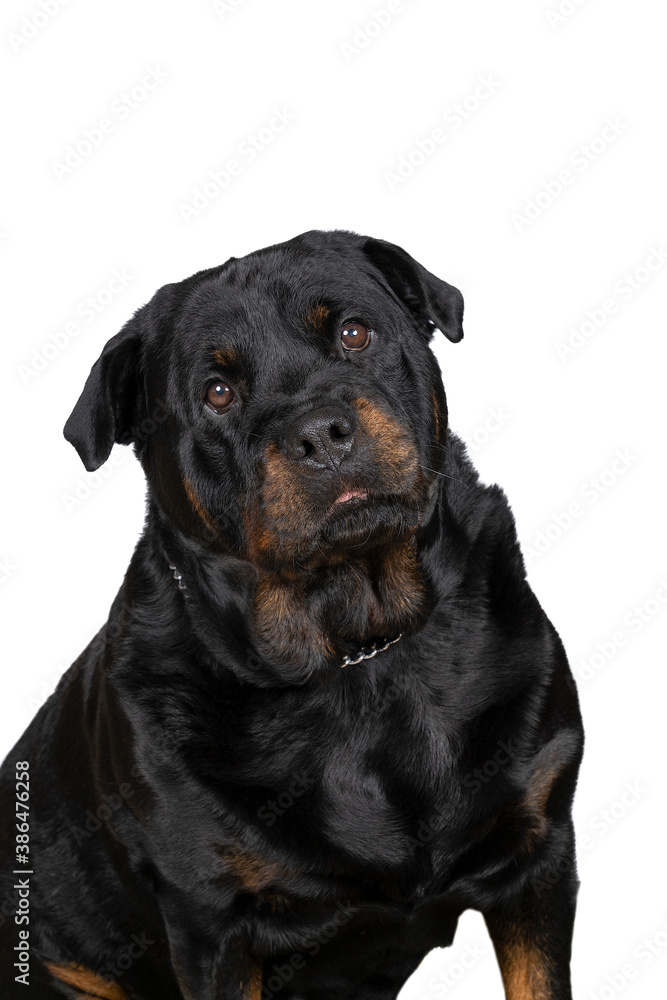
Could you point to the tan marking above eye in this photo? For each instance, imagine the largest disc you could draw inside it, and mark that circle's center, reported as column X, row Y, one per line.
column 226, row 357
column 316, row 318
column 355, row 336
column 220, row 396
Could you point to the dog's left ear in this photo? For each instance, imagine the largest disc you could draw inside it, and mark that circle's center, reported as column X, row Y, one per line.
column 432, row 300
column 106, row 409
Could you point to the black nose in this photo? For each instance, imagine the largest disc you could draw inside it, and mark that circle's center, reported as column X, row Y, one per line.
column 322, row 438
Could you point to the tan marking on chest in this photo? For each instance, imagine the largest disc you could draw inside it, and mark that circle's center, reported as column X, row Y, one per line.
column 252, row 872
column 282, row 621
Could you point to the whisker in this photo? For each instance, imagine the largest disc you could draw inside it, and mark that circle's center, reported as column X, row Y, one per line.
column 445, row 476
column 364, row 541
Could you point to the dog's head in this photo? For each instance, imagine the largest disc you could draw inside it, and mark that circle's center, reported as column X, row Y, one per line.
column 287, row 409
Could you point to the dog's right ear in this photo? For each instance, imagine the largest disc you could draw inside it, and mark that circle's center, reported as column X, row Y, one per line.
column 106, row 409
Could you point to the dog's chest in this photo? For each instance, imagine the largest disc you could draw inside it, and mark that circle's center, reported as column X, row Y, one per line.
column 362, row 809
column 359, row 816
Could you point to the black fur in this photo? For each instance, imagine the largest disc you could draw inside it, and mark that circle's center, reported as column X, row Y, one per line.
column 208, row 778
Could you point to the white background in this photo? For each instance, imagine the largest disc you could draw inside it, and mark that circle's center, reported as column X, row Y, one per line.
column 548, row 426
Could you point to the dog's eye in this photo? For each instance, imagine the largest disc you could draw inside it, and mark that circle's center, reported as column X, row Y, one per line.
column 220, row 396
column 355, row 336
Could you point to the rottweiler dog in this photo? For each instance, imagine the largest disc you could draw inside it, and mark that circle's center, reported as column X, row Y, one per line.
column 327, row 713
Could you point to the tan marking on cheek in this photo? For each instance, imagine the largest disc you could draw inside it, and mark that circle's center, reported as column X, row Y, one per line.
column 259, row 539
column 87, row 981
column 278, row 523
column 395, row 452
column 317, row 317
column 283, row 490
column 198, row 506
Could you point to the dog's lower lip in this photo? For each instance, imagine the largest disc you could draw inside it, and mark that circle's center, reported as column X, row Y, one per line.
column 352, row 495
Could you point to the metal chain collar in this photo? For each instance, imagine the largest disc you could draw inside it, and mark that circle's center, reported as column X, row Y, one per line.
column 349, row 661
column 373, row 651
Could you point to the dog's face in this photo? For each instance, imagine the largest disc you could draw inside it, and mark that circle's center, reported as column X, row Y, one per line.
column 292, row 411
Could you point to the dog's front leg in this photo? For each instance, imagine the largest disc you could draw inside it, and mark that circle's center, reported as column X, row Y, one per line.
column 532, row 937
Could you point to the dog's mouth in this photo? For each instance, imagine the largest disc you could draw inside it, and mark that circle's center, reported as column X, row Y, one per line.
column 332, row 520
column 360, row 518
column 310, row 515
column 348, row 495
